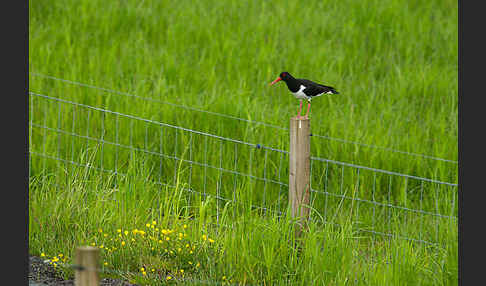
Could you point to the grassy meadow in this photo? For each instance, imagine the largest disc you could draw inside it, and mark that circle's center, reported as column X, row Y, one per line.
column 123, row 70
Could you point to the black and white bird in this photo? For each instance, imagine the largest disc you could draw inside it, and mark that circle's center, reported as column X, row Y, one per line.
column 304, row 89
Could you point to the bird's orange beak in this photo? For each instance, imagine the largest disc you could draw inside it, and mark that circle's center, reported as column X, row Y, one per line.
column 275, row 81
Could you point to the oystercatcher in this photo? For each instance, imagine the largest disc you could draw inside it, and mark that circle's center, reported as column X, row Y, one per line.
column 304, row 89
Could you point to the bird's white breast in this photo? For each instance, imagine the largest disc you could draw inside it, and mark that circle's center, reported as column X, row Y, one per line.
column 300, row 93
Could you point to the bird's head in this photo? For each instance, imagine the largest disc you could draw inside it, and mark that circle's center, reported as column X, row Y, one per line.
column 283, row 76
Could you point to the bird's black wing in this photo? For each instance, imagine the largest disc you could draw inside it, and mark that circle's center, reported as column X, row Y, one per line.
column 313, row 88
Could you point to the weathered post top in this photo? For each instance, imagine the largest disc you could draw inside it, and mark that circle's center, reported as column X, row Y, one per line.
column 86, row 260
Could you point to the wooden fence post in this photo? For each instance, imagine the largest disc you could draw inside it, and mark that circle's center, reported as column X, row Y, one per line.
column 86, row 273
column 299, row 171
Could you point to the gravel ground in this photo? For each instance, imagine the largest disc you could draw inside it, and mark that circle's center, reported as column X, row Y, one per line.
column 43, row 274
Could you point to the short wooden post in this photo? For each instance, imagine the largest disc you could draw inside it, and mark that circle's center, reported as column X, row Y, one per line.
column 299, row 171
column 86, row 273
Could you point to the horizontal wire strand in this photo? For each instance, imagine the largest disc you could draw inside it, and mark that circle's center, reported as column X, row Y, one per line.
column 382, row 204
column 383, row 171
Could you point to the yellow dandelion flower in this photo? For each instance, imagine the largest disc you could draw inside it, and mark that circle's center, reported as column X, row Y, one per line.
column 153, row 248
column 182, row 270
column 185, row 235
column 171, row 252
column 153, row 270
column 193, row 247
column 190, row 252
column 204, row 237
column 198, row 264
column 164, row 231
column 190, row 262
column 93, row 244
column 43, row 254
column 118, row 230
column 167, row 238
column 185, row 226
column 211, row 240
column 144, row 273
column 135, row 231
column 160, row 241
column 142, row 269
column 105, row 235
column 123, row 243
column 100, row 230
column 179, row 249
column 187, row 245
column 106, row 263
column 157, row 229
column 168, row 277
column 133, row 239
column 126, row 232
column 224, row 277
column 147, row 225
column 154, row 222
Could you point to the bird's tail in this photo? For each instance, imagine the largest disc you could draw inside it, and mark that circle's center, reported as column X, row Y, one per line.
column 332, row 90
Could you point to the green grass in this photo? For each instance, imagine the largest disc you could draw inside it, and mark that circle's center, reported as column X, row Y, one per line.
column 247, row 248
column 394, row 63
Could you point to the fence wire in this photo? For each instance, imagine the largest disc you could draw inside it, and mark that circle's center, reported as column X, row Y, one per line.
column 379, row 203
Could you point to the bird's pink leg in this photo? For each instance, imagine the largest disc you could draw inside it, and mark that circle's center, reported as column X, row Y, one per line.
column 300, row 109
column 308, row 110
